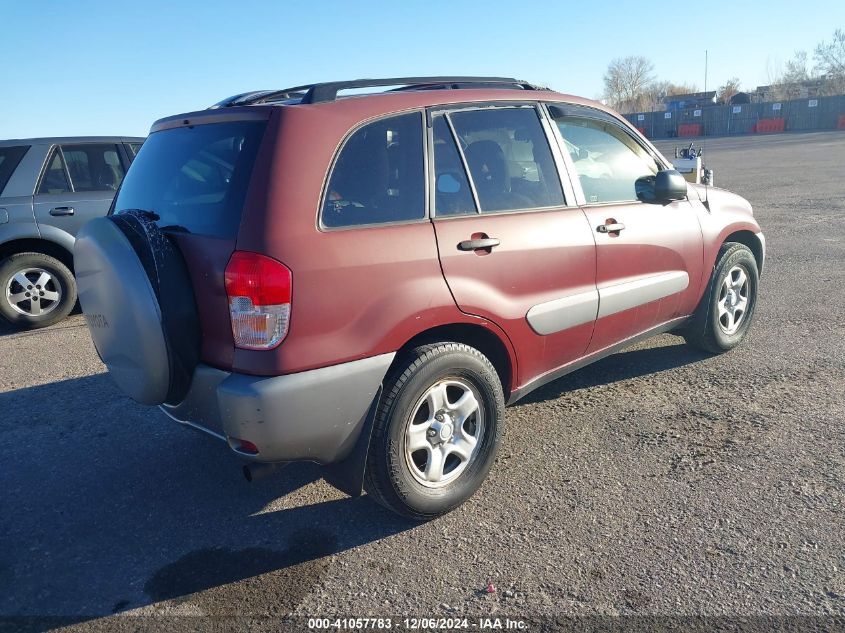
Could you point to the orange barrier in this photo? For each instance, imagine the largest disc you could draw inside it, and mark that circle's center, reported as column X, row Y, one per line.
column 765, row 126
column 841, row 124
column 689, row 129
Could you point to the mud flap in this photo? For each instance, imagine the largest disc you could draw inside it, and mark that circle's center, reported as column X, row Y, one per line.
column 347, row 475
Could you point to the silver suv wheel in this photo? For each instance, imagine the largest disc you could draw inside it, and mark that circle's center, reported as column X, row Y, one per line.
column 443, row 432
column 733, row 300
column 436, row 430
column 33, row 292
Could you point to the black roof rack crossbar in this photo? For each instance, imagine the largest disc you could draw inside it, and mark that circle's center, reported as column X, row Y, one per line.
column 320, row 92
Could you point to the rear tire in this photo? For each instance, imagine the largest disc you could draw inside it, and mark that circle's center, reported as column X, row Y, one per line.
column 724, row 315
column 36, row 290
column 436, row 431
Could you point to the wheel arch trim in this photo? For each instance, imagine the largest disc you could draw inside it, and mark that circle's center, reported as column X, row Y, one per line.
column 754, row 240
column 31, row 241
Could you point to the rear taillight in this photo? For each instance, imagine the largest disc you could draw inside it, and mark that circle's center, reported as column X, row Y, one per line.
column 259, row 290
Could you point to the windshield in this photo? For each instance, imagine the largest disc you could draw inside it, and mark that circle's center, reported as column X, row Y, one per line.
column 194, row 178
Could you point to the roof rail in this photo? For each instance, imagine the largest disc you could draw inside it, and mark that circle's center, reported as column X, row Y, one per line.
column 244, row 98
column 321, row 92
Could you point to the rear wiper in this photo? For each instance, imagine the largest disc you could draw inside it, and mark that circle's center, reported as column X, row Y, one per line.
column 144, row 213
column 175, row 228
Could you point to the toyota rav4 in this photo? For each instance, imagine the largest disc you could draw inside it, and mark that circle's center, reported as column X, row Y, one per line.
column 366, row 280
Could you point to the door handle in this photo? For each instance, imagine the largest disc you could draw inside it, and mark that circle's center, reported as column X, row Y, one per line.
column 475, row 245
column 610, row 228
column 61, row 211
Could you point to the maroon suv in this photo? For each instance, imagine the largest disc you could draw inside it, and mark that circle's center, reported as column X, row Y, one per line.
column 366, row 280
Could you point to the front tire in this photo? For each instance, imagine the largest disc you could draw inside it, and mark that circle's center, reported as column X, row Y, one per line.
column 36, row 290
column 724, row 315
column 436, row 431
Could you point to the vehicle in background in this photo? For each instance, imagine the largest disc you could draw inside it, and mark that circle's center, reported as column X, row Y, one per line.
column 365, row 281
column 49, row 188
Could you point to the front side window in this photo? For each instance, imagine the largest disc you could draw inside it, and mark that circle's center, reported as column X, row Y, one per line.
column 55, row 178
column 93, row 167
column 611, row 165
column 379, row 175
column 509, row 158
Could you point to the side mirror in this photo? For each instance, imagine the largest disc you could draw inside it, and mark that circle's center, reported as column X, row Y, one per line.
column 669, row 185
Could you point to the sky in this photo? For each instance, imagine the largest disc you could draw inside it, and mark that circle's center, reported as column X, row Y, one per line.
column 91, row 67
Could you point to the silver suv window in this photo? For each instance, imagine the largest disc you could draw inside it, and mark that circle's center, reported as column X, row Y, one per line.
column 55, row 178
column 83, row 167
column 9, row 159
column 93, row 167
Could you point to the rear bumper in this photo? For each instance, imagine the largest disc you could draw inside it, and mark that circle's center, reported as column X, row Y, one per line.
column 314, row 415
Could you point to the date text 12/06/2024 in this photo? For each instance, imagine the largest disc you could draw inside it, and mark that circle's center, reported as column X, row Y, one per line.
column 415, row 624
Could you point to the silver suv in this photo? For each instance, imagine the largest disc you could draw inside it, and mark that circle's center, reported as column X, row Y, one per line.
column 49, row 188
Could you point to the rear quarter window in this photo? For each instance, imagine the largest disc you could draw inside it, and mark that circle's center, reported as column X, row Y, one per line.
column 379, row 175
column 9, row 159
column 194, row 178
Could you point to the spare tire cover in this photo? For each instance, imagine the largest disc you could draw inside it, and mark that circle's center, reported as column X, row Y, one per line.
column 136, row 294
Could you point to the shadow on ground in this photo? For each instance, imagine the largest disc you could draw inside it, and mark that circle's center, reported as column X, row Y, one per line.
column 7, row 329
column 109, row 506
column 622, row 366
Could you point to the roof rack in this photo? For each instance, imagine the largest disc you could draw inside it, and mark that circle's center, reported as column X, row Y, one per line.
column 253, row 96
column 321, row 92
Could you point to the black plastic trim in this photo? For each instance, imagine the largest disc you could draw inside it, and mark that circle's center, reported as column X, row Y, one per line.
column 322, row 92
column 575, row 365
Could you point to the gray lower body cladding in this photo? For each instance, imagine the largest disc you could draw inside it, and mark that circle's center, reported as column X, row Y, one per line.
column 313, row 415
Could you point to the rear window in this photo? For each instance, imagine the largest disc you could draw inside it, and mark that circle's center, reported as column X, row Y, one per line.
column 9, row 159
column 194, row 178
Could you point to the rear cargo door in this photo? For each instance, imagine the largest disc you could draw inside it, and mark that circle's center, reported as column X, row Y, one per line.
column 195, row 177
column 513, row 247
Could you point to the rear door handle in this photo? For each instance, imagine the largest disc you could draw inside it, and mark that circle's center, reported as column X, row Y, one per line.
column 61, row 211
column 610, row 228
column 475, row 245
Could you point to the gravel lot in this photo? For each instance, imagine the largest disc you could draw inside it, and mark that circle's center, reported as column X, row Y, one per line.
column 658, row 481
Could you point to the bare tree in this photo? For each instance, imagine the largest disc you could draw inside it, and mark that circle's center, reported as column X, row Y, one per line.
column 830, row 56
column 796, row 70
column 626, row 82
column 728, row 90
column 830, row 62
column 654, row 95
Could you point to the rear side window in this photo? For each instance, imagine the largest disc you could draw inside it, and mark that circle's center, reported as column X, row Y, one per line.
column 55, row 177
column 9, row 159
column 194, row 178
column 509, row 158
column 379, row 175
column 93, row 167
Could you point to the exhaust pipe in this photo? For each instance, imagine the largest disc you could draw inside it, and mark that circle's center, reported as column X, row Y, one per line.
column 256, row 470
